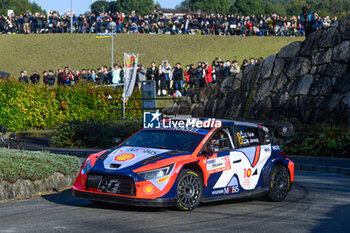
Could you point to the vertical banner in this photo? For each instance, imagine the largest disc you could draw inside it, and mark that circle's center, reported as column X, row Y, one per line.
column 130, row 72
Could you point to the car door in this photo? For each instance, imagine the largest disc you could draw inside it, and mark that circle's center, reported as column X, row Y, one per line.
column 249, row 158
column 219, row 165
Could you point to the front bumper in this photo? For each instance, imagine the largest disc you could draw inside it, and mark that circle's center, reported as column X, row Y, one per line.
column 124, row 200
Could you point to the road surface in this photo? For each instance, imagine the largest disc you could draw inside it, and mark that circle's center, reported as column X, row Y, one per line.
column 318, row 203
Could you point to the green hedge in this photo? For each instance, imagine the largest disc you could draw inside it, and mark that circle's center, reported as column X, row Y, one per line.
column 24, row 107
column 32, row 165
column 320, row 140
column 93, row 134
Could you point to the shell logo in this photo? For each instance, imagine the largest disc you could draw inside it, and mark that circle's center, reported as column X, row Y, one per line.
column 124, row 157
column 148, row 189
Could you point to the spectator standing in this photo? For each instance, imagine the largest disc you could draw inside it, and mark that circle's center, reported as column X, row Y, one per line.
column 35, row 78
column 178, row 78
column 45, row 77
column 227, row 69
column 100, row 77
column 308, row 21
column 84, row 76
column 166, row 70
column 219, row 71
column 208, row 74
column 153, row 74
column 234, row 67
column 199, row 75
column 162, row 81
column 116, row 75
column 51, row 78
column 141, row 73
column 252, row 62
column 23, row 78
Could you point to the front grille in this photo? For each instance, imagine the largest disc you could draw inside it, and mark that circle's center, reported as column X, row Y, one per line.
column 115, row 184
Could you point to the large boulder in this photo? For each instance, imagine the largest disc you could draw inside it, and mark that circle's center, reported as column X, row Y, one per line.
column 341, row 52
column 344, row 28
column 301, row 86
column 298, row 67
column 342, row 84
column 329, row 38
column 250, row 77
column 336, row 70
column 323, row 57
column 290, row 51
column 278, row 67
column 310, row 45
column 322, row 87
column 267, row 66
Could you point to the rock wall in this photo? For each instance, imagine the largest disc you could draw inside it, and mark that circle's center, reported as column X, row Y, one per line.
column 27, row 188
column 308, row 81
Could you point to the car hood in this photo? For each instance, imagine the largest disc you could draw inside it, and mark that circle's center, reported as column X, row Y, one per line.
column 127, row 157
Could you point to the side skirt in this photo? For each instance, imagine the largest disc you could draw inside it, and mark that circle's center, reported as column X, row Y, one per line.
column 253, row 193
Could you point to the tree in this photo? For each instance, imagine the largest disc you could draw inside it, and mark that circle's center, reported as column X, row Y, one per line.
column 18, row 6
column 248, row 7
column 207, row 6
column 141, row 7
column 97, row 7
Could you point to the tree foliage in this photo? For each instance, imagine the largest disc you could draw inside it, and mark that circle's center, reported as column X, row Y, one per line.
column 210, row 6
column 286, row 7
column 18, row 6
column 142, row 7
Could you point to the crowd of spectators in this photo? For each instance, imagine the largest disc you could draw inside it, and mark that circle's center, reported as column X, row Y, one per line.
column 158, row 23
column 168, row 80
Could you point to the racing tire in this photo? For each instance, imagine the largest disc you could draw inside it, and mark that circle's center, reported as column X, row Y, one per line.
column 279, row 183
column 189, row 190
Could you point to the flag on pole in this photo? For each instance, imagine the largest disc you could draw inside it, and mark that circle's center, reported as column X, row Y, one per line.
column 130, row 71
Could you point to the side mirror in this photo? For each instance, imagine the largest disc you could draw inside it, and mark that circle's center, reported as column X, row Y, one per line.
column 117, row 141
column 283, row 132
column 207, row 153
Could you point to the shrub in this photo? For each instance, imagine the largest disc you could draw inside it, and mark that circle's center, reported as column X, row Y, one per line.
column 24, row 107
column 320, row 140
column 93, row 134
column 33, row 165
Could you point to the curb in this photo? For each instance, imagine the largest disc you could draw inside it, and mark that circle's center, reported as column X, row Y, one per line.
column 322, row 169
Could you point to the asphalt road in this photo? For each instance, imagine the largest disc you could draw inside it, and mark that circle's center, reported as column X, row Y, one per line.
column 317, row 203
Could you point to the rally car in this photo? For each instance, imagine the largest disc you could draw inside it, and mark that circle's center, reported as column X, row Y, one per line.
column 184, row 166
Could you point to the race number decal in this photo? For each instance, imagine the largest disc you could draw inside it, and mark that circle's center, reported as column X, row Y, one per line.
column 218, row 164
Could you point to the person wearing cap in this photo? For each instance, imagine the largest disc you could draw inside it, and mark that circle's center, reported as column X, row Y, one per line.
column 23, row 78
column 234, row 67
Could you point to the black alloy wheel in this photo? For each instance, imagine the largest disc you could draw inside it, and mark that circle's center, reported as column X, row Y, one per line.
column 189, row 190
column 279, row 183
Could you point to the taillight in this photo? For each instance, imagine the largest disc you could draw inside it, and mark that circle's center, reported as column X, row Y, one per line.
column 282, row 153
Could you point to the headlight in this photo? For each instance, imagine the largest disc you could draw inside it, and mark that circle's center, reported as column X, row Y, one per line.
column 157, row 173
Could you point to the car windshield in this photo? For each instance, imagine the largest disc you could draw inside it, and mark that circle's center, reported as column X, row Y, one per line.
column 165, row 139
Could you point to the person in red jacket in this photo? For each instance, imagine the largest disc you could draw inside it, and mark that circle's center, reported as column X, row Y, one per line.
column 208, row 74
column 248, row 28
column 187, row 74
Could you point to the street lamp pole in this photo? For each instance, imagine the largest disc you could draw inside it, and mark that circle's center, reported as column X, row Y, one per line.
column 71, row 16
column 112, row 49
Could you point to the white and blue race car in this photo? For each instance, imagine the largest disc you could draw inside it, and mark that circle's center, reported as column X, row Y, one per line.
column 180, row 166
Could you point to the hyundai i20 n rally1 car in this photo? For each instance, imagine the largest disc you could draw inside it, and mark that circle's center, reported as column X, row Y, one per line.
column 180, row 166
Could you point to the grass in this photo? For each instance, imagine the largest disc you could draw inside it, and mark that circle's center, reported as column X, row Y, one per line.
column 52, row 51
column 31, row 165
